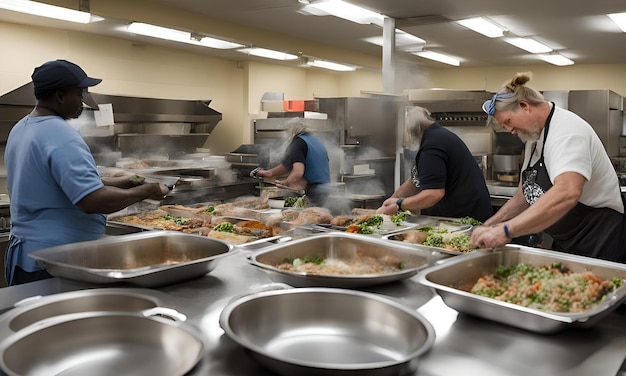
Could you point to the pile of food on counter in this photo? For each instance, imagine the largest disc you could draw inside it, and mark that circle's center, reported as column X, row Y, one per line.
column 453, row 236
column 552, row 288
column 249, row 219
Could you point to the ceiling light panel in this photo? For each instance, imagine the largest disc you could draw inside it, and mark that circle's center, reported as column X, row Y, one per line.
column 218, row 43
column 331, row 65
column 619, row 19
column 159, row 32
column 50, row 11
column 483, row 26
column 270, row 54
column 436, row 56
column 555, row 59
column 179, row 36
column 347, row 11
column 528, row 44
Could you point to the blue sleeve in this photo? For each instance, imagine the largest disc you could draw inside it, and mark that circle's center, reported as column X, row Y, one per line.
column 74, row 169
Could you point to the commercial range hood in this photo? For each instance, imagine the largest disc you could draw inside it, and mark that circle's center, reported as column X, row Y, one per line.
column 141, row 124
column 17, row 103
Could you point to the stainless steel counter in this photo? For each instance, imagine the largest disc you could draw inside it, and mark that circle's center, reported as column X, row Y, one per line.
column 464, row 346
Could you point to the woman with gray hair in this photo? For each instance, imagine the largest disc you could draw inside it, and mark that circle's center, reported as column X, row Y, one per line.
column 568, row 186
column 445, row 180
column 305, row 163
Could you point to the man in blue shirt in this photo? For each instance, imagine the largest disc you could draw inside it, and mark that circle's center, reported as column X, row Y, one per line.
column 56, row 194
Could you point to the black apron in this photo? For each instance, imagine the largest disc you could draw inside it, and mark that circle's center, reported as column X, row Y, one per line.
column 586, row 231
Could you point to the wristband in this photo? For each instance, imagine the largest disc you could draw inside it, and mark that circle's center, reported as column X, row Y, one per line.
column 506, row 232
column 399, row 203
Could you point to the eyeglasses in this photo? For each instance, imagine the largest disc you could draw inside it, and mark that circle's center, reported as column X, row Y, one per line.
column 490, row 106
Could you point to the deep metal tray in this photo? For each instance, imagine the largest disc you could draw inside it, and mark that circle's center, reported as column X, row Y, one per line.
column 340, row 246
column 451, row 277
column 149, row 259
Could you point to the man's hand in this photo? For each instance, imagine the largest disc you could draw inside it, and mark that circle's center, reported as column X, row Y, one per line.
column 160, row 191
column 388, row 207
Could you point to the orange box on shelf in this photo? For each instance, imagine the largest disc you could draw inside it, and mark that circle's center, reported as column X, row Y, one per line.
column 299, row 105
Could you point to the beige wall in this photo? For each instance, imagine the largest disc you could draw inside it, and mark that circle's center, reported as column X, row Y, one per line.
column 235, row 88
column 544, row 77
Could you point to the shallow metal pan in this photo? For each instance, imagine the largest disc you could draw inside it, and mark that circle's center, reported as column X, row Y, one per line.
column 340, row 246
column 322, row 331
column 33, row 309
column 103, row 343
column 149, row 259
column 450, row 278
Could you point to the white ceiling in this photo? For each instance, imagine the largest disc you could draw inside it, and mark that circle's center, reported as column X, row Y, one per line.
column 579, row 30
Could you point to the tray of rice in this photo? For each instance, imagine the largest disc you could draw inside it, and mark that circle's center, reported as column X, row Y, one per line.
column 529, row 288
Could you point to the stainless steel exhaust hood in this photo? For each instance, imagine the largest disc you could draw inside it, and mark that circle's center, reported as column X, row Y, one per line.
column 17, row 103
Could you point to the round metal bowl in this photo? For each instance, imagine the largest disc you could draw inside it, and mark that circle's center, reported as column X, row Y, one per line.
column 102, row 343
column 325, row 331
column 34, row 309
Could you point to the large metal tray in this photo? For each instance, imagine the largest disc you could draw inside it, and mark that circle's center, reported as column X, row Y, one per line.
column 451, row 277
column 148, row 259
column 340, row 246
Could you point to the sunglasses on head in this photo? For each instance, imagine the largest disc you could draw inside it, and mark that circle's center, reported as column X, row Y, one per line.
column 490, row 106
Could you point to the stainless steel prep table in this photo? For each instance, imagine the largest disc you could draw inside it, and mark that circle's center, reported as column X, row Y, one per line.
column 464, row 346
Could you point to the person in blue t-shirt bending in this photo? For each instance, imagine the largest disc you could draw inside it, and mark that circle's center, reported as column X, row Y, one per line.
column 305, row 163
column 56, row 194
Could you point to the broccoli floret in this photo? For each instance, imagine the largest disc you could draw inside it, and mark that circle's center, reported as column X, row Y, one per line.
column 224, row 227
column 399, row 217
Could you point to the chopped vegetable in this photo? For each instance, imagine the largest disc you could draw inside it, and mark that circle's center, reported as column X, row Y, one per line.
column 177, row 220
column 365, row 229
column 399, row 217
column 296, row 202
column 470, row 221
column 224, row 227
column 373, row 221
column 210, row 209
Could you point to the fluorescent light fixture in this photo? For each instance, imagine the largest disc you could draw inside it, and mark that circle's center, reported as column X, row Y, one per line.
column 402, row 39
column 619, row 19
column 347, row 11
column 483, row 26
column 436, row 56
column 159, row 32
column 218, row 43
column 178, row 36
column 50, row 11
column 556, row 59
column 270, row 54
column 528, row 44
column 330, row 65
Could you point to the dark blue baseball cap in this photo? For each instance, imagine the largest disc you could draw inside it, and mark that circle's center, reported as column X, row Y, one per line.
column 60, row 74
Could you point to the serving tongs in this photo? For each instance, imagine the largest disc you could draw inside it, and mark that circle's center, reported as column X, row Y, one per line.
column 281, row 186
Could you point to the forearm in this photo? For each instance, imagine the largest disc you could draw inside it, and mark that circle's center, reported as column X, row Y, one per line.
column 423, row 200
column 405, row 190
column 122, row 181
column 551, row 207
column 510, row 209
column 110, row 199
column 279, row 170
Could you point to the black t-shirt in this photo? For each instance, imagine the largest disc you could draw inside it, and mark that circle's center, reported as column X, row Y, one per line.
column 443, row 161
column 296, row 152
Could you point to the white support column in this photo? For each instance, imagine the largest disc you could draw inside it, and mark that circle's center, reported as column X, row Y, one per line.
column 389, row 55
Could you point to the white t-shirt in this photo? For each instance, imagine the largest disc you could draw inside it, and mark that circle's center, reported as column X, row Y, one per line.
column 573, row 146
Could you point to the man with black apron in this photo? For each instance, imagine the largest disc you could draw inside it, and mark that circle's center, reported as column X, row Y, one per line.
column 571, row 194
